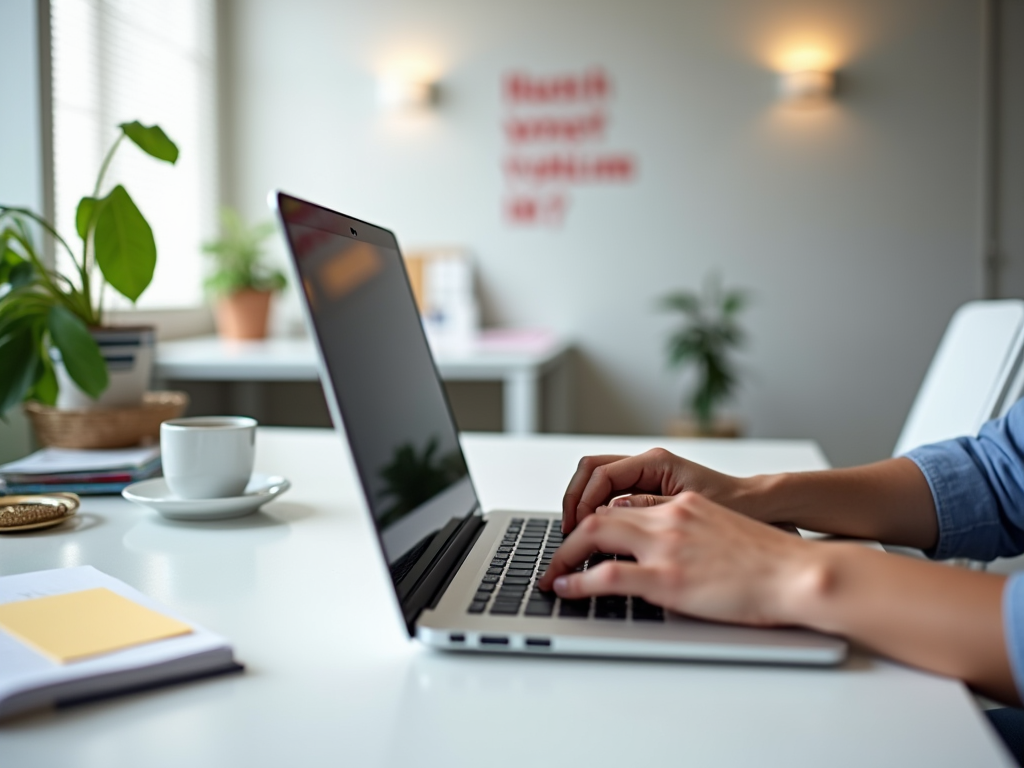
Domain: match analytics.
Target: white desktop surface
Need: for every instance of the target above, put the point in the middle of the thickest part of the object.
(332, 680)
(519, 359)
(294, 359)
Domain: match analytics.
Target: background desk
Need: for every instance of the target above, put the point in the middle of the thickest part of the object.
(333, 681)
(520, 361)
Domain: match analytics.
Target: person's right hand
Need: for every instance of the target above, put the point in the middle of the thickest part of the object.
(642, 481)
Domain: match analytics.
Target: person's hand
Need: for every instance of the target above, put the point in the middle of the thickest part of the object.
(693, 556)
(641, 481)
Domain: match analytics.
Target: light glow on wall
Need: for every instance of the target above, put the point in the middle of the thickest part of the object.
(806, 72)
(408, 80)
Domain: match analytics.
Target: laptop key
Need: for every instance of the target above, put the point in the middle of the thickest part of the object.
(579, 609)
(477, 606)
(486, 588)
(505, 609)
(485, 596)
(513, 579)
(538, 608)
(489, 579)
(644, 611)
(610, 608)
(513, 571)
(494, 571)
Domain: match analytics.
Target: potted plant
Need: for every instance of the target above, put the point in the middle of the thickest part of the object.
(241, 283)
(705, 340)
(51, 323)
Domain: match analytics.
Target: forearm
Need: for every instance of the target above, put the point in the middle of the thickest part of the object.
(888, 501)
(947, 620)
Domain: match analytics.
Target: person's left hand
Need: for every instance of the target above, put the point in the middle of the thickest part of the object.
(693, 556)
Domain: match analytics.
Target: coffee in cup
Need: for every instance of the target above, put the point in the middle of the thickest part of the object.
(208, 457)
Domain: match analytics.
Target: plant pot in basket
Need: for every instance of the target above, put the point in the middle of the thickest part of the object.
(54, 349)
(128, 353)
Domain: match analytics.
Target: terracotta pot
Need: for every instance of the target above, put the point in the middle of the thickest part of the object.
(243, 315)
(690, 428)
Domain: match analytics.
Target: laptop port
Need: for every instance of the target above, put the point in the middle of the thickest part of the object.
(493, 640)
(456, 637)
(538, 642)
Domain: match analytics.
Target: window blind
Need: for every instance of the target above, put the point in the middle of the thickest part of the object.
(120, 60)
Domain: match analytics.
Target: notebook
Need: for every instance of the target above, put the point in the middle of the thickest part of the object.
(75, 634)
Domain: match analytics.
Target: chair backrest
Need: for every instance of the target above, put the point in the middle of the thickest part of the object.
(975, 374)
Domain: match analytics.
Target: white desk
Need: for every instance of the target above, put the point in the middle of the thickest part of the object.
(517, 359)
(333, 681)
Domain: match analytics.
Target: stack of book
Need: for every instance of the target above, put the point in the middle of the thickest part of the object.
(79, 471)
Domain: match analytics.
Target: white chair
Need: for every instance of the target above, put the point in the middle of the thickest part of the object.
(976, 374)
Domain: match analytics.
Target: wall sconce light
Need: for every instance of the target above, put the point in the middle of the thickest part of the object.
(406, 94)
(806, 86)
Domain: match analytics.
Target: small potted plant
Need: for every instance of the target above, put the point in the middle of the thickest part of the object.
(241, 283)
(54, 348)
(705, 340)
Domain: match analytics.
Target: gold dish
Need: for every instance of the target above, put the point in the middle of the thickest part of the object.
(26, 513)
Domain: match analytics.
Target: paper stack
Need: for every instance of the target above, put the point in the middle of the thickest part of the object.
(79, 471)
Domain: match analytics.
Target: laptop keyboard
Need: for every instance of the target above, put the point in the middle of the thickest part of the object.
(523, 554)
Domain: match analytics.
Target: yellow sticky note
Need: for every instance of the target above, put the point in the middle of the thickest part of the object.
(76, 625)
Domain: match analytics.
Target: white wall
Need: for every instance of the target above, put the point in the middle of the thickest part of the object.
(21, 166)
(855, 225)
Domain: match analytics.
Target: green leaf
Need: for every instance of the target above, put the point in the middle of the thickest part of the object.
(687, 303)
(22, 274)
(124, 245)
(46, 387)
(83, 216)
(151, 140)
(18, 362)
(78, 350)
(734, 302)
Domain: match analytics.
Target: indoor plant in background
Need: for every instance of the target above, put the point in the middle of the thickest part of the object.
(54, 348)
(705, 340)
(241, 283)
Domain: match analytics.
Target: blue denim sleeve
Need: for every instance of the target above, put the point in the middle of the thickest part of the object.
(1013, 627)
(977, 484)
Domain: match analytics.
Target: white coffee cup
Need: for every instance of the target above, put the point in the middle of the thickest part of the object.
(208, 457)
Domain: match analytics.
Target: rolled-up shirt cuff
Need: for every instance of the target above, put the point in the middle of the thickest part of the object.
(968, 519)
(1013, 627)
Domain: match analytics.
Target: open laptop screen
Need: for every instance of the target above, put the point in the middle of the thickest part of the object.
(382, 381)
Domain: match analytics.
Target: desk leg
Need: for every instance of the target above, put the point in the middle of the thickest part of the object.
(247, 399)
(522, 403)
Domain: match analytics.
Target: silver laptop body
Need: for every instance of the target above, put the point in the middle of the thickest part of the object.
(463, 580)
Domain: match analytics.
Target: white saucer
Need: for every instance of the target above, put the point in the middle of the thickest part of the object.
(156, 495)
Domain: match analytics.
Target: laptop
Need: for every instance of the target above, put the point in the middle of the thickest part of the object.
(463, 580)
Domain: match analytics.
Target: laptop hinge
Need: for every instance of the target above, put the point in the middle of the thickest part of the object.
(442, 570)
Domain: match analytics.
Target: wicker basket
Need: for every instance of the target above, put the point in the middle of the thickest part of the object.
(106, 427)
